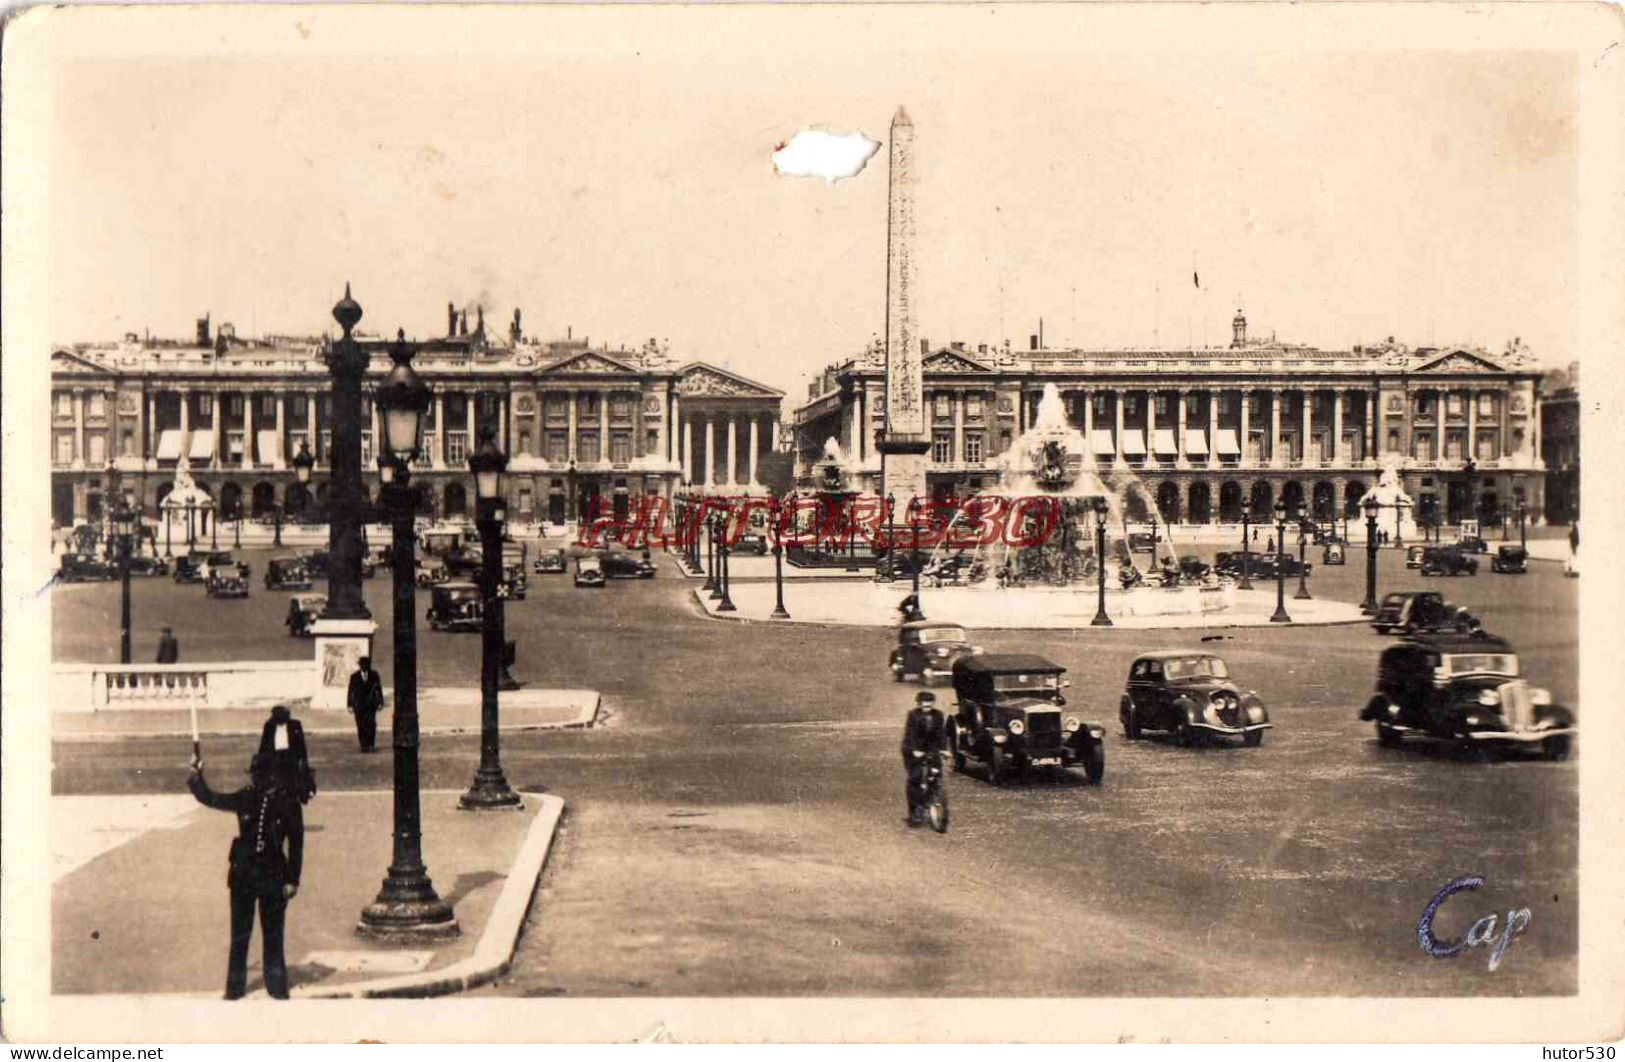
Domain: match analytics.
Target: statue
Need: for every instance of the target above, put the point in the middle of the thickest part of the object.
(183, 476)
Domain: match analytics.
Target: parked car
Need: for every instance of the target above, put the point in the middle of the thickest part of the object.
(1190, 694)
(1142, 542)
(514, 582)
(145, 564)
(1008, 715)
(85, 568)
(227, 580)
(1413, 611)
(286, 573)
(1510, 560)
(1472, 544)
(1447, 560)
(901, 562)
(621, 565)
(751, 542)
(550, 561)
(1413, 556)
(589, 572)
(456, 606)
(1334, 553)
(430, 571)
(463, 560)
(928, 650)
(318, 563)
(302, 612)
(1464, 688)
(1193, 567)
(189, 569)
(1264, 566)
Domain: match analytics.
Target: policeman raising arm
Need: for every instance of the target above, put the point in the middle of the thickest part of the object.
(923, 741)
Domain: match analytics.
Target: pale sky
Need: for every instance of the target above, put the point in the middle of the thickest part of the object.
(628, 191)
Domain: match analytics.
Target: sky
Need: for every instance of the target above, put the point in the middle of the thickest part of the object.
(613, 176)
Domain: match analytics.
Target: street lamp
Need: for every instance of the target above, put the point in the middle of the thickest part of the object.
(407, 907)
(237, 525)
(709, 519)
(1101, 619)
(1303, 569)
(191, 536)
(303, 463)
(726, 603)
(1523, 530)
(1369, 605)
(1246, 548)
(779, 611)
(1280, 615)
(490, 790)
(124, 522)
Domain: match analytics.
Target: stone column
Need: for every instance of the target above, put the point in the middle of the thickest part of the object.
(377, 438)
(1117, 440)
(570, 426)
(502, 425)
(214, 426)
(1373, 423)
(958, 400)
(1089, 423)
(1179, 430)
(1472, 426)
(280, 461)
(1307, 431)
(1212, 432)
(674, 445)
(186, 419)
(248, 428)
(149, 429)
(1275, 428)
(438, 456)
(733, 450)
(710, 450)
(1337, 424)
(468, 407)
(1246, 430)
(603, 427)
(311, 433)
(686, 457)
(79, 429)
(753, 467)
(1442, 423)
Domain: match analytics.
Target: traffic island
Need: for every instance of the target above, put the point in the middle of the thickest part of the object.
(120, 928)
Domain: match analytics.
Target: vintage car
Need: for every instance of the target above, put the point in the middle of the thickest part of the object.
(1142, 542)
(1464, 688)
(148, 565)
(463, 560)
(1009, 715)
(928, 650)
(318, 561)
(1264, 565)
(302, 612)
(1413, 556)
(618, 564)
(1412, 611)
(85, 568)
(1510, 560)
(456, 606)
(589, 572)
(1472, 544)
(1189, 694)
(227, 580)
(1193, 567)
(550, 561)
(514, 582)
(286, 573)
(900, 563)
(430, 571)
(1334, 553)
(751, 542)
(1447, 560)
(189, 569)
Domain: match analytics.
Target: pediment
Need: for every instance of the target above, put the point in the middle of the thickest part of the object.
(700, 379)
(952, 361)
(66, 362)
(589, 363)
(1454, 361)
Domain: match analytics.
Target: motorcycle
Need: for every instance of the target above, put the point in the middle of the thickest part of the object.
(931, 794)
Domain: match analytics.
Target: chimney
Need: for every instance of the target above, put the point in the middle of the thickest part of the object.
(568, 333)
(1033, 341)
(462, 323)
(203, 331)
(479, 328)
(925, 346)
(515, 331)
(981, 348)
(956, 345)
(451, 319)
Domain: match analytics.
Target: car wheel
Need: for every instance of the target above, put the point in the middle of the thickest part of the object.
(956, 755)
(1253, 738)
(1556, 748)
(1094, 762)
(1387, 736)
(1184, 734)
(1131, 725)
(997, 772)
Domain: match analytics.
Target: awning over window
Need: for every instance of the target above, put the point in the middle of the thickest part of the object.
(169, 444)
(1165, 441)
(1133, 442)
(202, 448)
(1104, 445)
(270, 446)
(1196, 442)
(1226, 444)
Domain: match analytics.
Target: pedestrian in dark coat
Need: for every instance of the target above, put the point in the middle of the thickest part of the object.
(365, 699)
(923, 738)
(266, 859)
(283, 739)
(169, 650)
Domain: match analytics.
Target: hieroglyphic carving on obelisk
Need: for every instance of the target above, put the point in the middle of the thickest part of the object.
(905, 441)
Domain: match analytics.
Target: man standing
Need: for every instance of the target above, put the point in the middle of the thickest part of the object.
(266, 859)
(169, 650)
(922, 739)
(365, 698)
(283, 739)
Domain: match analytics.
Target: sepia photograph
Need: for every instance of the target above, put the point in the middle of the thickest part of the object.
(846, 523)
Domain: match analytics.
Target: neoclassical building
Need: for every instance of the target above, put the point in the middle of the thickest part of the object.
(579, 423)
(1203, 429)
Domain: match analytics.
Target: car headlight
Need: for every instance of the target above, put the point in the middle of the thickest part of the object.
(1211, 713)
(1070, 723)
(1471, 720)
(1488, 698)
(1255, 713)
(1542, 697)
(1017, 727)
(942, 650)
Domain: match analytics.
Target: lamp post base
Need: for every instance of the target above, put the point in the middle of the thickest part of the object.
(490, 792)
(1302, 594)
(1280, 616)
(1367, 608)
(1101, 620)
(778, 613)
(407, 911)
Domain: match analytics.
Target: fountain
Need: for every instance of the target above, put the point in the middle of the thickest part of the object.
(1388, 494)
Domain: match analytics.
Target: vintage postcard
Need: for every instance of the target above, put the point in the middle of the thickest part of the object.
(1008, 522)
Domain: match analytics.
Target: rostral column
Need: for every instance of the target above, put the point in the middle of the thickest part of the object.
(904, 442)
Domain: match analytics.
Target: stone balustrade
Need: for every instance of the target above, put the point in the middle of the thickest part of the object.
(251, 684)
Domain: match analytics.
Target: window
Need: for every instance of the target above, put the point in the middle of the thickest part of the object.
(943, 404)
(557, 446)
(524, 443)
(98, 404)
(1164, 403)
(973, 405)
(620, 448)
(589, 405)
(557, 406)
(620, 405)
(63, 454)
(98, 450)
(297, 442)
(205, 405)
(127, 443)
(1486, 446)
(325, 454)
(1422, 446)
(1393, 441)
(234, 406)
(973, 447)
(1453, 404)
(587, 446)
(1004, 441)
(1103, 404)
(267, 407)
(942, 447)
(456, 447)
(234, 444)
(367, 457)
(526, 504)
(64, 404)
(1486, 404)
(1424, 405)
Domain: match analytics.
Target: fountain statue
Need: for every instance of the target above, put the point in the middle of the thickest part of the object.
(1390, 495)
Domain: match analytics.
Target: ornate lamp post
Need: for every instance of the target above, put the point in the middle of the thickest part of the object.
(125, 521)
(779, 611)
(346, 364)
(710, 584)
(214, 525)
(407, 908)
(1523, 529)
(726, 603)
(303, 464)
(490, 789)
(1303, 569)
(191, 534)
(914, 549)
(237, 526)
(1101, 619)
(1280, 615)
(1246, 547)
(169, 526)
(1369, 605)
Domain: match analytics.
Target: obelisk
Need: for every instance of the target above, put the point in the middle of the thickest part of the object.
(904, 442)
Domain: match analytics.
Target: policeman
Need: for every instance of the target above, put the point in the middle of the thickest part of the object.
(266, 858)
(922, 740)
(284, 738)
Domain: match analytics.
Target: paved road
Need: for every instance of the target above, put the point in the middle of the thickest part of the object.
(736, 826)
